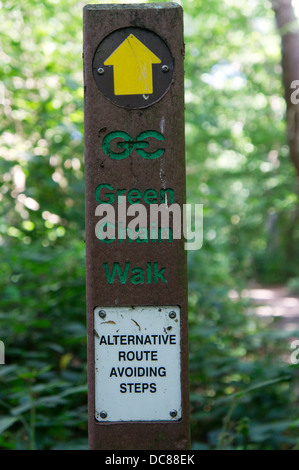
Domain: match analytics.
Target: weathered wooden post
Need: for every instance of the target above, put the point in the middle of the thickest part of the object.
(136, 285)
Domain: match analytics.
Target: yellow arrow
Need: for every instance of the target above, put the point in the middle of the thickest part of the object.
(132, 70)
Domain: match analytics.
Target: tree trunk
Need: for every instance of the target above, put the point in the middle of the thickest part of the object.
(289, 31)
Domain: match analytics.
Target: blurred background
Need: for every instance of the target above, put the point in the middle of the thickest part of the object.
(241, 165)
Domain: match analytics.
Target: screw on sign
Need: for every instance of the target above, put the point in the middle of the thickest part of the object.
(136, 291)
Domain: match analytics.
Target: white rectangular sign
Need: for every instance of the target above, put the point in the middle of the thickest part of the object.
(137, 363)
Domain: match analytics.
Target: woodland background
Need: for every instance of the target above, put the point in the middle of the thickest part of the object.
(240, 151)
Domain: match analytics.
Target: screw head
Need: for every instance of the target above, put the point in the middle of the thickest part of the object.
(101, 71)
(102, 313)
(172, 314)
(173, 413)
(165, 68)
(103, 414)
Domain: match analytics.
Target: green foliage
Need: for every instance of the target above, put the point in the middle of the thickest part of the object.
(43, 393)
(242, 393)
(242, 389)
(43, 384)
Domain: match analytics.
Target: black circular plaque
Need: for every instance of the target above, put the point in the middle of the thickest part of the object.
(133, 67)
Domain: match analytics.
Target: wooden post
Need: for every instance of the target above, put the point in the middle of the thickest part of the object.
(136, 287)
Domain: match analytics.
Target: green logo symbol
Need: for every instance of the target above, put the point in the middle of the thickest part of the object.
(126, 145)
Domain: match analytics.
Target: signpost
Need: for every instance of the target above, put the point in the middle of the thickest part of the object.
(135, 269)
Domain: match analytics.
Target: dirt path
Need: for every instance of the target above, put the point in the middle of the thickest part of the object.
(275, 303)
(272, 302)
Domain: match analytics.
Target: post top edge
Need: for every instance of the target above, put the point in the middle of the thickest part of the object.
(132, 6)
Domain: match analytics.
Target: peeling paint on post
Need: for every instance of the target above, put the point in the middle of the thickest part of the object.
(136, 288)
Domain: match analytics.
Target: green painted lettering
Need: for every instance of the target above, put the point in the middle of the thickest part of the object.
(150, 196)
(137, 276)
(142, 235)
(117, 269)
(159, 274)
(109, 196)
(106, 194)
(171, 195)
(134, 196)
(152, 273)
